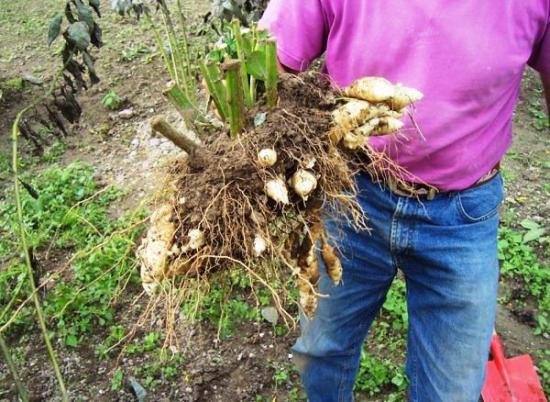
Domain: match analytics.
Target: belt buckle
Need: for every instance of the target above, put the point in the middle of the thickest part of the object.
(412, 192)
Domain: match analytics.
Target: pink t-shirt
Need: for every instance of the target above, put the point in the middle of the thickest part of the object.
(466, 56)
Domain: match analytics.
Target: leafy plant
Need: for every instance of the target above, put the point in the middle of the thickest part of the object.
(111, 100)
(116, 335)
(245, 58)
(116, 382)
(133, 52)
(543, 367)
(381, 370)
(535, 108)
(519, 261)
(376, 375)
(70, 212)
(81, 32)
(158, 364)
(534, 230)
(247, 11)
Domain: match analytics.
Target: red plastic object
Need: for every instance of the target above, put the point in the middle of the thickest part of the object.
(511, 380)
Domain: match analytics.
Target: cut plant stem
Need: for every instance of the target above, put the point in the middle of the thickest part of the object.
(212, 76)
(271, 67)
(183, 141)
(235, 96)
(236, 28)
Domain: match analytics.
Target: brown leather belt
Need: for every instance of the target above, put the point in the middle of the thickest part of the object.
(416, 190)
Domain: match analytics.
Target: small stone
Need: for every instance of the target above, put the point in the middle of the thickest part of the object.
(32, 79)
(126, 113)
(154, 142)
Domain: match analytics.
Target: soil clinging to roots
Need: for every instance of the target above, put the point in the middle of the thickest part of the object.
(221, 214)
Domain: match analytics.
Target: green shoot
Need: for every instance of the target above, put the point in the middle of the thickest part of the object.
(236, 30)
(271, 67)
(235, 96)
(212, 76)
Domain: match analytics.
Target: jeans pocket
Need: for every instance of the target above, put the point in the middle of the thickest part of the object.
(481, 202)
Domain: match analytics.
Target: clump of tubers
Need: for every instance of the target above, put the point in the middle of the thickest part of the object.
(261, 198)
(375, 108)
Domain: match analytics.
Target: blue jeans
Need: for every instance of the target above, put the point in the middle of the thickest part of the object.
(447, 250)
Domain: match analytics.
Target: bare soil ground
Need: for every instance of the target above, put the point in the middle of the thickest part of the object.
(126, 153)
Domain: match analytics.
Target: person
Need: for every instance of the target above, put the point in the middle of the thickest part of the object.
(467, 57)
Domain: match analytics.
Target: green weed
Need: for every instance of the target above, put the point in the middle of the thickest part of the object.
(111, 100)
(227, 303)
(381, 370)
(67, 212)
(543, 368)
(377, 375)
(12, 85)
(149, 343)
(116, 382)
(520, 263)
(134, 51)
(160, 364)
(117, 333)
(537, 110)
